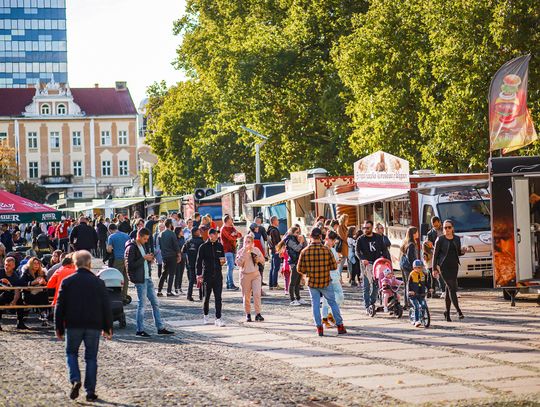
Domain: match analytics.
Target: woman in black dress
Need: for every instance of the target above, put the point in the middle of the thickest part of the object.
(446, 261)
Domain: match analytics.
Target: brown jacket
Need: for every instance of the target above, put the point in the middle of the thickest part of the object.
(342, 232)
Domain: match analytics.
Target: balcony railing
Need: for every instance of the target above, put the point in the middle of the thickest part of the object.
(56, 179)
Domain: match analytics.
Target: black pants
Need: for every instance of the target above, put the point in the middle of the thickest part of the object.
(294, 285)
(451, 294)
(179, 275)
(405, 275)
(6, 298)
(159, 269)
(215, 285)
(102, 248)
(355, 271)
(63, 244)
(192, 277)
(169, 271)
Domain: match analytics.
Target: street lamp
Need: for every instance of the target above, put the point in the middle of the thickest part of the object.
(257, 152)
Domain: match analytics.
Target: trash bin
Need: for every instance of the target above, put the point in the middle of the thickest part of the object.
(114, 280)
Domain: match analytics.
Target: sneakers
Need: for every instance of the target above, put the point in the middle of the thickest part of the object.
(190, 299)
(278, 287)
(259, 318)
(205, 320)
(320, 330)
(385, 309)
(418, 324)
(91, 397)
(248, 318)
(302, 301)
(74, 393)
(341, 330)
(219, 322)
(142, 334)
(160, 294)
(171, 295)
(295, 303)
(164, 331)
(233, 288)
(443, 295)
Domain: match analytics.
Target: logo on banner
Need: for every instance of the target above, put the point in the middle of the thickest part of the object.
(7, 207)
(9, 218)
(30, 204)
(382, 169)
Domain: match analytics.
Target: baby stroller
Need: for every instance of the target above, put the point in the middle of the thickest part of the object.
(114, 280)
(394, 306)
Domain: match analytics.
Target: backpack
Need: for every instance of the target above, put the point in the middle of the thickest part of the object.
(404, 263)
(339, 244)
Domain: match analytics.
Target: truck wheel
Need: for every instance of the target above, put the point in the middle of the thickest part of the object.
(122, 321)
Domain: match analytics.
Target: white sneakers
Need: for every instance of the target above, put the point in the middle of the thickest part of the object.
(302, 301)
(385, 309)
(219, 322)
(295, 303)
(418, 324)
(205, 320)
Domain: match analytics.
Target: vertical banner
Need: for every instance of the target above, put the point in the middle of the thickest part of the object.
(510, 124)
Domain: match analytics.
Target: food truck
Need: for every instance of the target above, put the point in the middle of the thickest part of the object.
(515, 224)
(385, 192)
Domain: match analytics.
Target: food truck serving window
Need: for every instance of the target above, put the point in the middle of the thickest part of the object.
(468, 216)
(400, 213)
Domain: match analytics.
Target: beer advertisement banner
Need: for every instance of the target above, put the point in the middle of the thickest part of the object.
(510, 123)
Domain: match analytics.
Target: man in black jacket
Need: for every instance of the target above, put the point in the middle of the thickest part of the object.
(138, 269)
(123, 224)
(83, 311)
(274, 237)
(435, 231)
(190, 250)
(170, 251)
(83, 236)
(210, 260)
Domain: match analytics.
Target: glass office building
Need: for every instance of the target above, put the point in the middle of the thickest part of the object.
(32, 42)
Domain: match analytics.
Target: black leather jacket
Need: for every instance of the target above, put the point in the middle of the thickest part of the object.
(442, 244)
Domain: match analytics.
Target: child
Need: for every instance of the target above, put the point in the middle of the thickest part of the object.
(417, 290)
(335, 275)
(389, 285)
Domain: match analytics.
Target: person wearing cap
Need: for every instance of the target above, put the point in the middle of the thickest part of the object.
(210, 260)
(416, 287)
(190, 251)
(315, 263)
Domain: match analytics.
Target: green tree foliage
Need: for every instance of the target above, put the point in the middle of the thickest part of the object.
(31, 191)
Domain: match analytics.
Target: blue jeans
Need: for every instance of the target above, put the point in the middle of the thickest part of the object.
(144, 291)
(229, 257)
(90, 337)
(418, 304)
(275, 265)
(370, 292)
(329, 294)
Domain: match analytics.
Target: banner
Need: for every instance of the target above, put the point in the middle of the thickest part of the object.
(381, 169)
(510, 124)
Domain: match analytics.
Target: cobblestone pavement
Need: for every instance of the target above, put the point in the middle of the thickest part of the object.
(490, 358)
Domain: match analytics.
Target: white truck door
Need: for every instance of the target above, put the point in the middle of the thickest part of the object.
(522, 229)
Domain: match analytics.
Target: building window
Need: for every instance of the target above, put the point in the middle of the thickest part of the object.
(122, 138)
(3, 138)
(54, 138)
(106, 168)
(32, 140)
(55, 168)
(77, 168)
(77, 194)
(45, 109)
(33, 171)
(123, 168)
(76, 138)
(61, 109)
(106, 138)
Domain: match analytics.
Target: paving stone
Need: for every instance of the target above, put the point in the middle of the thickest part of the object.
(518, 357)
(436, 393)
(257, 337)
(446, 363)
(487, 372)
(268, 345)
(394, 381)
(297, 352)
(376, 346)
(450, 340)
(357, 370)
(326, 361)
(519, 386)
(421, 352)
(492, 347)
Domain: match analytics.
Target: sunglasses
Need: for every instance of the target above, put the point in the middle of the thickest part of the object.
(448, 227)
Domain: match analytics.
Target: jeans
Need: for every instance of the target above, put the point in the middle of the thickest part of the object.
(370, 292)
(215, 285)
(146, 290)
(418, 304)
(275, 265)
(169, 271)
(329, 294)
(229, 257)
(90, 337)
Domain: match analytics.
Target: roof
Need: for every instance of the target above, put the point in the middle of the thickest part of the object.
(364, 196)
(92, 101)
(280, 198)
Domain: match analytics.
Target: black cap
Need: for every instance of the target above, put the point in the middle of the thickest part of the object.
(194, 229)
(212, 231)
(316, 232)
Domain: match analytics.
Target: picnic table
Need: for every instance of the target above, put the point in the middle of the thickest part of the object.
(11, 288)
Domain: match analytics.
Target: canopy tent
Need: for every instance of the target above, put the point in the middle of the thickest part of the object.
(280, 198)
(364, 196)
(223, 192)
(103, 204)
(15, 209)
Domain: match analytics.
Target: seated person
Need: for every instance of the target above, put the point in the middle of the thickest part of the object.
(33, 275)
(55, 258)
(18, 240)
(52, 269)
(10, 278)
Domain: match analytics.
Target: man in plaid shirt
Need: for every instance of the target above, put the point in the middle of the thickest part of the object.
(315, 263)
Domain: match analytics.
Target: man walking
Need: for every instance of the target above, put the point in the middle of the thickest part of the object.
(62, 234)
(116, 245)
(229, 236)
(210, 259)
(138, 268)
(83, 311)
(274, 237)
(369, 247)
(170, 252)
(315, 263)
(83, 236)
(190, 250)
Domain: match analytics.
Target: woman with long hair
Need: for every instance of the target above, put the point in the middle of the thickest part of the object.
(294, 244)
(409, 249)
(33, 275)
(353, 263)
(248, 259)
(446, 262)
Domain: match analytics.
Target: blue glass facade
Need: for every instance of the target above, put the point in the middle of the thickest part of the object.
(32, 42)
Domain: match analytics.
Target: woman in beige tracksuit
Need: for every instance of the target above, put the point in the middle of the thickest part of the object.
(247, 259)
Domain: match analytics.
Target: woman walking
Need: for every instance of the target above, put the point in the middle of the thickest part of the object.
(353, 263)
(294, 244)
(248, 259)
(409, 253)
(446, 262)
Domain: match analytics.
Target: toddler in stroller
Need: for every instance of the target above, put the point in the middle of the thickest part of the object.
(389, 290)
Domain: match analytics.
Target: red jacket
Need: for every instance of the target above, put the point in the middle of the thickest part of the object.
(228, 240)
(58, 276)
(62, 230)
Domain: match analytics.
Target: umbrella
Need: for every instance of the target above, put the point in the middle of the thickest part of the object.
(16, 209)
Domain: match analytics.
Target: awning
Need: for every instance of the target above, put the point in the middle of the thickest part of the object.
(16, 209)
(436, 188)
(280, 198)
(221, 193)
(364, 196)
(122, 203)
(164, 200)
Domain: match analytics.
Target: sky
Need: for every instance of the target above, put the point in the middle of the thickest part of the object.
(122, 40)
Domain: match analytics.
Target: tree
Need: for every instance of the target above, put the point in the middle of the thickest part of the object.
(31, 191)
(8, 166)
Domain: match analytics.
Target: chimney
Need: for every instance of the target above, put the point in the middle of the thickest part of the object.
(96, 85)
(121, 85)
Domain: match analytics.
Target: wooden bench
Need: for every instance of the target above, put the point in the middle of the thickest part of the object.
(9, 288)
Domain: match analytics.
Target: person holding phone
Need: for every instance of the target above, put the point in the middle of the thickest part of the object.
(138, 269)
(248, 259)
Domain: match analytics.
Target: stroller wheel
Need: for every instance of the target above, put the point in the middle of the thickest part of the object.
(398, 311)
(122, 321)
(411, 314)
(127, 300)
(372, 310)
